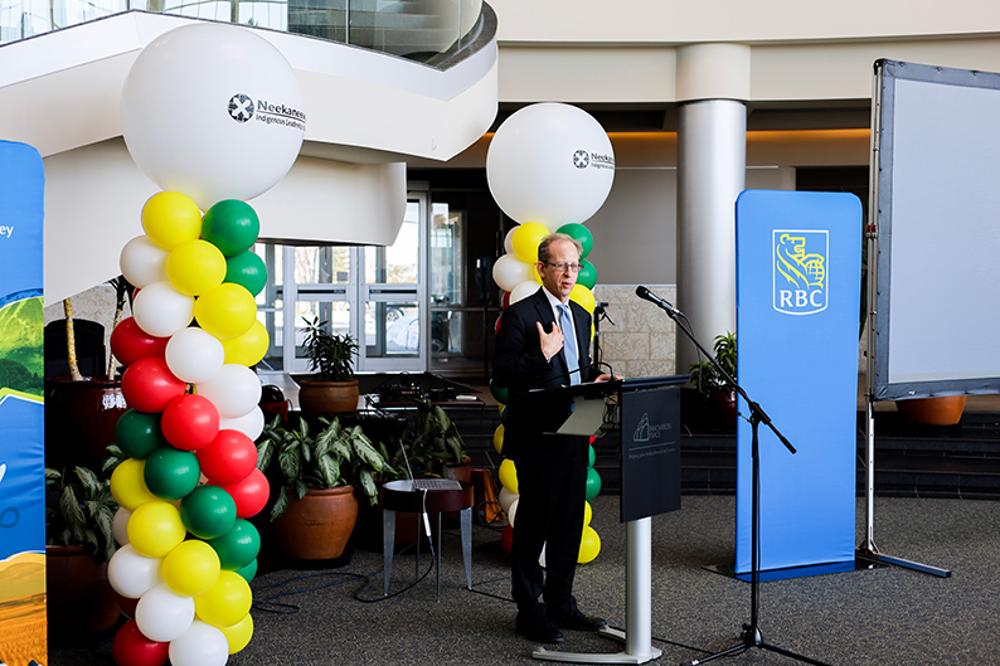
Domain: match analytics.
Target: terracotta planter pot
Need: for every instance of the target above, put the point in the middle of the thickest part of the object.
(317, 526)
(318, 398)
(80, 599)
(80, 420)
(723, 405)
(944, 411)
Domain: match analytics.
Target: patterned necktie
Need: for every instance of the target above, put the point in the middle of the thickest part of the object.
(569, 343)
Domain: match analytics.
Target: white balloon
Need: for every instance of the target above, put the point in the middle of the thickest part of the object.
(512, 511)
(550, 163)
(509, 271)
(201, 645)
(506, 497)
(160, 310)
(213, 111)
(131, 574)
(194, 355)
(234, 390)
(250, 424)
(541, 558)
(142, 262)
(523, 291)
(119, 526)
(164, 615)
(508, 241)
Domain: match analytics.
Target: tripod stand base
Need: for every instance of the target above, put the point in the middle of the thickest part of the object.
(598, 658)
(881, 558)
(752, 638)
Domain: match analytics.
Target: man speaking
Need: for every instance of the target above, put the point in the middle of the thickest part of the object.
(543, 343)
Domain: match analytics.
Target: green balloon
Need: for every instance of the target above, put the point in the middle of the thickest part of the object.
(208, 512)
(249, 571)
(239, 546)
(231, 225)
(501, 394)
(593, 484)
(171, 473)
(581, 234)
(248, 270)
(138, 434)
(592, 458)
(588, 274)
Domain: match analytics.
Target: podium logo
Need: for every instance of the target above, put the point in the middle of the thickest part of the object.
(799, 272)
(646, 431)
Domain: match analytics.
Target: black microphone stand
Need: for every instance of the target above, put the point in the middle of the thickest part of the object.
(751, 636)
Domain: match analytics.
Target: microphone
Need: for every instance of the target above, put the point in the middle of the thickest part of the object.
(645, 294)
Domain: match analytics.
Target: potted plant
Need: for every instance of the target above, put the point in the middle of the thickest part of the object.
(79, 515)
(315, 509)
(937, 411)
(434, 447)
(332, 389)
(719, 396)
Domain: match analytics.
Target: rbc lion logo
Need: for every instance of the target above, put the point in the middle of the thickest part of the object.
(800, 277)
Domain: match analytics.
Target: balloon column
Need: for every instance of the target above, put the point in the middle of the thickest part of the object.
(212, 114)
(550, 167)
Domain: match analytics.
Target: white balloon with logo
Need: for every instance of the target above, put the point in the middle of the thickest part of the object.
(550, 163)
(213, 111)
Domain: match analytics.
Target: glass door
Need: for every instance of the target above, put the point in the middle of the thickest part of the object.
(391, 297)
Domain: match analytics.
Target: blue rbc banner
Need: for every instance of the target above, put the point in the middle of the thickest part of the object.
(798, 290)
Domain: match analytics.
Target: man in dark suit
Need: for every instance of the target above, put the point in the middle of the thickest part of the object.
(543, 343)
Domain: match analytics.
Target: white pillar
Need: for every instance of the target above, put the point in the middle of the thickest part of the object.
(712, 80)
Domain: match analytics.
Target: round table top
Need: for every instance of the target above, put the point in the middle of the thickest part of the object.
(400, 495)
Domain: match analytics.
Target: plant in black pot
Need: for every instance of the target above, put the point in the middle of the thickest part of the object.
(318, 476)
(79, 515)
(718, 396)
(332, 388)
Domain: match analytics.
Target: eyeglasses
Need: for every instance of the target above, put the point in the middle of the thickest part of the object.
(563, 266)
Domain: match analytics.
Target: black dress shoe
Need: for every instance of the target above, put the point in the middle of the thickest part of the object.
(536, 627)
(574, 619)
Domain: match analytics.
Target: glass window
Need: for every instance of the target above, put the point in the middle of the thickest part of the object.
(447, 267)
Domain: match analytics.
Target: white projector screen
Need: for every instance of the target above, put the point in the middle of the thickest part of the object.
(938, 303)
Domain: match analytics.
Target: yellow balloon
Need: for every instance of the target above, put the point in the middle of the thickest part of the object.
(498, 440)
(170, 218)
(128, 486)
(238, 635)
(588, 514)
(249, 348)
(226, 602)
(583, 297)
(155, 528)
(535, 274)
(590, 545)
(501, 407)
(191, 568)
(525, 240)
(227, 311)
(508, 475)
(195, 266)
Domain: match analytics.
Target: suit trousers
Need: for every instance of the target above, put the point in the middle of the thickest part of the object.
(550, 510)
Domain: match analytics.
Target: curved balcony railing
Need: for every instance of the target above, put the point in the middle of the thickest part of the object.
(429, 31)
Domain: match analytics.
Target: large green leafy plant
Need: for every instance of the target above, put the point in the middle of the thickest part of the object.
(705, 377)
(334, 456)
(331, 355)
(432, 443)
(82, 513)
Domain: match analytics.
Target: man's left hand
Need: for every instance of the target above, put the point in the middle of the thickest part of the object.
(605, 377)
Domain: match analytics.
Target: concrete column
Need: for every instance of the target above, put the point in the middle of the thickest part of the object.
(712, 81)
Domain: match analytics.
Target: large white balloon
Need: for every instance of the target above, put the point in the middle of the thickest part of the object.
(131, 574)
(201, 645)
(194, 355)
(250, 424)
(119, 526)
(234, 390)
(509, 271)
(160, 310)
(164, 615)
(213, 111)
(142, 262)
(550, 163)
(523, 291)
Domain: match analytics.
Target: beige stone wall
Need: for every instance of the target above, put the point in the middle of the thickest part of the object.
(96, 304)
(642, 343)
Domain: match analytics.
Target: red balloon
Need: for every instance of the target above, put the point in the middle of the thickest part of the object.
(231, 457)
(496, 326)
(129, 343)
(507, 539)
(148, 385)
(250, 494)
(505, 301)
(190, 422)
(127, 605)
(131, 648)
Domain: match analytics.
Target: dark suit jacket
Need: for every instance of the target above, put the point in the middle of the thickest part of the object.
(519, 366)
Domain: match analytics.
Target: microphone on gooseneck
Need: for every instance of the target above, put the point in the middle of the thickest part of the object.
(645, 294)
